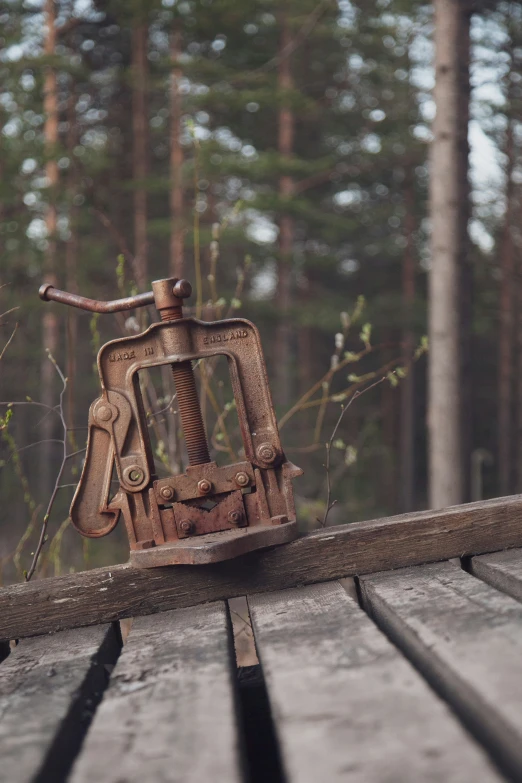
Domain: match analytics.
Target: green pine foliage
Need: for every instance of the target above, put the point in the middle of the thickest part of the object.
(361, 106)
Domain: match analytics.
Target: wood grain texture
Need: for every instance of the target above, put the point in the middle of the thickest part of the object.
(502, 570)
(49, 687)
(466, 637)
(107, 594)
(169, 712)
(346, 704)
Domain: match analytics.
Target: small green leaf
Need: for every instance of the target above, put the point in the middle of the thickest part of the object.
(350, 455)
(359, 307)
(422, 348)
(365, 335)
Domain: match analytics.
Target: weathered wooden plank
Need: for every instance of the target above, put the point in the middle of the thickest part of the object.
(503, 570)
(102, 595)
(49, 687)
(168, 713)
(347, 705)
(466, 637)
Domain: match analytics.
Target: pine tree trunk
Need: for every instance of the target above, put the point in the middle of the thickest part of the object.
(283, 351)
(466, 281)
(140, 155)
(448, 219)
(506, 330)
(176, 162)
(407, 429)
(518, 476)
(50, 326)
(388, 489)
(71, 254)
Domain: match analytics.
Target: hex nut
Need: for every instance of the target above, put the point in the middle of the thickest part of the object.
(204, 486)
(186, 526)
(234, 517)
(266, 452)
(242, 479)
(167, 493)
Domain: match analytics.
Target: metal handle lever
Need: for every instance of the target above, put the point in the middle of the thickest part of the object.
(48, 292)
(179, 288)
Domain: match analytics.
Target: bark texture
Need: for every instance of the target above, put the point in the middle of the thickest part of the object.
(50, 326)
(466, 277)
(286, 129)
(506, 328)
(177, 265)
(140, 155)
(407, 428)
(448, 226)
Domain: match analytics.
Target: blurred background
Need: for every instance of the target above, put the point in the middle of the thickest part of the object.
(347, 174)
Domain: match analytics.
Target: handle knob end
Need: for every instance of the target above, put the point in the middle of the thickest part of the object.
(182, 289)
(43, 291)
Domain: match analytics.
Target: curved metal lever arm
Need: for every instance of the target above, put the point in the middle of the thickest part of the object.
(48, 292)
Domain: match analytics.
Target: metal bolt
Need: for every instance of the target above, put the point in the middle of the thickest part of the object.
(133, 474)
(242, 479)
(204, 486)
(266, 452)
(103, 413)
(167, 493)
(187, 526)
(234, 517)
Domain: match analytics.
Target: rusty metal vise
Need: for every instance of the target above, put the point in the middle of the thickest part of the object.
(170, 520)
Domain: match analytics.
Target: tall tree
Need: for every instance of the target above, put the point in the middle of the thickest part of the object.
(407, 418)
(140, 152)
(176, 159)
(506, 330)
(286, 127)
(71, 259)
(448, 213)
(466, 272)
(50, 326)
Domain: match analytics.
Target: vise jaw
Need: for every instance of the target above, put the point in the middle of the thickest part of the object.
(208, 513)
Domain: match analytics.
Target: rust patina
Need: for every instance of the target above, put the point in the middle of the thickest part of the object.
(170, 520)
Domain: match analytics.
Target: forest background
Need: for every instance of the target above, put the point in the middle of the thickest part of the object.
(288, 159)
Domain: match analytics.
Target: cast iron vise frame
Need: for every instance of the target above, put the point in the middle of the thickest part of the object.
(170, 520)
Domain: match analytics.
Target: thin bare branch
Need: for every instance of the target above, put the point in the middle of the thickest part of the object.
(45, 522)
(8, 343)
(329, 445)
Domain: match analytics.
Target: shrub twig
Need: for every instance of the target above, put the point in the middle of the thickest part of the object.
(329, 445)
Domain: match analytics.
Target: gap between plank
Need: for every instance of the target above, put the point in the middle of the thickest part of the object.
(262, 753)
(413, 650)
(68, 741)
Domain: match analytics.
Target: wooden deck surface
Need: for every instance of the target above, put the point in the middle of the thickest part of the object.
(396, 676)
